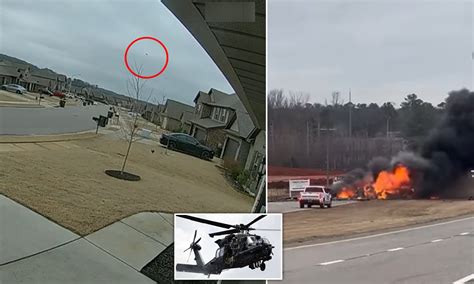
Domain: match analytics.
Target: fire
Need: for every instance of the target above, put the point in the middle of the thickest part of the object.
(388, 183)
(391, 183)
(346, 193)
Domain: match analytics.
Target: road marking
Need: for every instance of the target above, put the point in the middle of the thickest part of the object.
(394, 249)
(332, 262)
(378, 235)
(435, 241)
(463, 234)
(464, 280)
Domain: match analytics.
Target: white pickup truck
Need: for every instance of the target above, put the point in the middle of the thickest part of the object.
(315, 195)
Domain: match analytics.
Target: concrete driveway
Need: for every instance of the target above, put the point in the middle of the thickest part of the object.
(36, 250)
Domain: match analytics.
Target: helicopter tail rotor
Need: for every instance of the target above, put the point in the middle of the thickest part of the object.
(194, 245)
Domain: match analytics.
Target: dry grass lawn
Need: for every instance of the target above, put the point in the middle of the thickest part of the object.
(368, 216)
(12, 97)
(69, 186)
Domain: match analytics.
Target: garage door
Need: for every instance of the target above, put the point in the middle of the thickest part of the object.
(230, 149)
(200, 135)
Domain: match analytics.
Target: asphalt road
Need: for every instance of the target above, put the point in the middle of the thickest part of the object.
(44, 121)
(293, 206)
(437, 253)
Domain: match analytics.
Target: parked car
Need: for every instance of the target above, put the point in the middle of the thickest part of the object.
(188, 144)
(59, 94)
(46, 91)
(315, 195)
(13, 88)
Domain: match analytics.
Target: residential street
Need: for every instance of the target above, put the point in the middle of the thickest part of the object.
(437, 253)
(45, 121)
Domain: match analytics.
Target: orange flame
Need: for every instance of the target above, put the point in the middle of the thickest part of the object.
(391, 183)
(346, 193)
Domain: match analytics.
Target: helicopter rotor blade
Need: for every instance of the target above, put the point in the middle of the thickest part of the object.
(209, 222)
(226, 232)
(255, 220)
(189, 254)
(267, 229)
(195, 233)
(187, 249)
(197, 241)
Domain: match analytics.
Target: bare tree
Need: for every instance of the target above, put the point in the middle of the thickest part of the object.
(335, 98)
(130, 127)
(298, 99)
(276, 99)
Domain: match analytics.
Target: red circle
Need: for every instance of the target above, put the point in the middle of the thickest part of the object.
(151, 76)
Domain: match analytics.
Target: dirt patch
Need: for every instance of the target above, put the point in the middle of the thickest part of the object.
(368, 216)
(69, 186)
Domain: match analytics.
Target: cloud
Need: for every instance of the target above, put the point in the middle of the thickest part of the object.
(373, 47)
(90, 37)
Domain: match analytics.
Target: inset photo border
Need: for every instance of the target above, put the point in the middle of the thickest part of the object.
(228, 246)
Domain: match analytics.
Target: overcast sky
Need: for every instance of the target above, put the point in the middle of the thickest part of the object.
(90, 37)
(184, 233)
(382, 50)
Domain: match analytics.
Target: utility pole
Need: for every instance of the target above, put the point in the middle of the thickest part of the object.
(307, 138)
(350, 114)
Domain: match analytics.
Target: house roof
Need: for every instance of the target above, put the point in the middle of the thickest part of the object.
(9, 69)
(218, 98)
(199, 94)
(207, 123)
(49, 74)
(242, 124)
(187, 116)
(174, 109)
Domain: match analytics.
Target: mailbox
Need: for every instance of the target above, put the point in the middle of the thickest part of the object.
(103, 120)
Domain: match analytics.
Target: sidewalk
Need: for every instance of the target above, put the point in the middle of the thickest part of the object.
(36, 250)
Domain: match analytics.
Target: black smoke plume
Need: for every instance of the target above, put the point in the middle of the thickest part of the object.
(449, 148)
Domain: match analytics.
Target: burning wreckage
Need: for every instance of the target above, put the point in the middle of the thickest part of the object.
(435, 171)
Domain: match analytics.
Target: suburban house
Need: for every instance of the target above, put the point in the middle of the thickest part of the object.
(32, 80)
(213, 111)
(45, 78)
(13, 73)
(152, 113)
(245, 145)
(171, 114)
(186, 121)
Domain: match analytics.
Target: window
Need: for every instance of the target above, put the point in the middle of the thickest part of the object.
(313, 189)
(190, 139)
(219, 114)
(223, 115)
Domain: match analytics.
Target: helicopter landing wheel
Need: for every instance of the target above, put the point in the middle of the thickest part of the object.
(262, 266)
(252, 266)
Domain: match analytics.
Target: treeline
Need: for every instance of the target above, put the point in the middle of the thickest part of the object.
(299, 131)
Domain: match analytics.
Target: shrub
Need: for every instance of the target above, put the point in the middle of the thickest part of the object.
(233, 168)
(243, 177)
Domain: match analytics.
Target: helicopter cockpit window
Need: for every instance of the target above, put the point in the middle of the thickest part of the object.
(265, 241)
(220, 252)
(251, 240)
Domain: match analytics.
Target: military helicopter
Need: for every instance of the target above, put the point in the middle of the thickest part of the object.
(237, 249)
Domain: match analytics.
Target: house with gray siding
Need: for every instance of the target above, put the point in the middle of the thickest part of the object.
(171, 115)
